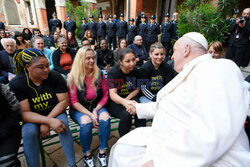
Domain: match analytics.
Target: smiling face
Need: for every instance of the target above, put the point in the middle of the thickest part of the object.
(38, 68)
(128, 62)
(123, 44)
(20, 38)
(39, 44)
(214, 54)
(157, 56)
(63, 44)
(70, 35)
(104, 45)
(89, 60)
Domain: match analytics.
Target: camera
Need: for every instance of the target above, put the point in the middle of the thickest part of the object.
(236, 11)
(242, 20)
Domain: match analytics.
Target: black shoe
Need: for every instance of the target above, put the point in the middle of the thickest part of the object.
(89, 161)
(102, 159)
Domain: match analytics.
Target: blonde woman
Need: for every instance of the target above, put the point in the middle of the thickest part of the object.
(88, 95)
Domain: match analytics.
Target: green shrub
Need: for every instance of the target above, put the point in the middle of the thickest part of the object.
(76, 13)
(203, 17)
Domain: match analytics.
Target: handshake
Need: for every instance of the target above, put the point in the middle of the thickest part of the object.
(130, 106)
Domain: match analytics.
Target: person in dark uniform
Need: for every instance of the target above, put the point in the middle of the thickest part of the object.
(167, 32)
(92, 26)
(238, 41)
(122, 28)
(143, 29)
(53, 23)
(69, 25)
(84, 26)
(101, 29)
(111, 33)
(153, 30)
(132, 31)
(138, 20)
(175, 24)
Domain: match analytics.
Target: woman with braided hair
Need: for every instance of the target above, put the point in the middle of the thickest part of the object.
(43, 98)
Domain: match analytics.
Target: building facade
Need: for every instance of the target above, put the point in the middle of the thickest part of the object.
(19, 14)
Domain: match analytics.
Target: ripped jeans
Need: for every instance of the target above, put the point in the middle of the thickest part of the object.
(86, 130)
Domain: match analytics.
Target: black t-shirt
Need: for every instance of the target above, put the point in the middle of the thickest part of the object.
(42, 98)
(124, 83)
(156, 79)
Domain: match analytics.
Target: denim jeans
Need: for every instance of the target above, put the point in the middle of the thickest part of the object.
(86, 130)
(30, 133)
(144, 99)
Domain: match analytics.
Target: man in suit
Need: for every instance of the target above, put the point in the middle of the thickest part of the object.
(167, 32)
(54, 22)
(153, 30)
(121, 27)
(195, 122)
(92, 26)
(7, 67)
(69, 25)
(111, 32)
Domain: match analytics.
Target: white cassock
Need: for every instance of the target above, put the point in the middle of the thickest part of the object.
(198, 121)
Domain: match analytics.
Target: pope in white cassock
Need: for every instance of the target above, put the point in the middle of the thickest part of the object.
(198, 117)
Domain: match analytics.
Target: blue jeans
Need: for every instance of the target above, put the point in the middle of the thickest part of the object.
(144, 99)
(30, 133)
(86, 130)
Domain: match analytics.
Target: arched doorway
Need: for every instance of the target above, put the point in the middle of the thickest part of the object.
(51, 8)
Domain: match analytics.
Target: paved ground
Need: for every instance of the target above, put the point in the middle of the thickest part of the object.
(55, 155)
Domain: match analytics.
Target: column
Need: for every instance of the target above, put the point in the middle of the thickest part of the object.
(135, 7)
(41, 14)
(61, 11)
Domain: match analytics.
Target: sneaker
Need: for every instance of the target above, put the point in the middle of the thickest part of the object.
(102, 159)
(89, 161)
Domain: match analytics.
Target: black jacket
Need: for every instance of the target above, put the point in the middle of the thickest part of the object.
(6, 66)
(104, 58)
(56, 59)
(9, 113)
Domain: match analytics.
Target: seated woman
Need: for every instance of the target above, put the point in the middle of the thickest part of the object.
(88, 95)
(216, 49)
(43, 99)
(27, 34)
(10, 129)
(156, 73)
(63, 57)
(123, 91)
(104, 56)
(122, 43)
(72, 43)
(21, 43)
(89, 35)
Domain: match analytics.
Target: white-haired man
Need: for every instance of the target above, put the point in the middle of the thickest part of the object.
(7, 67)
(198, 117)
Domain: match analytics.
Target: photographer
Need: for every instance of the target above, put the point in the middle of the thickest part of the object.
(239, 40)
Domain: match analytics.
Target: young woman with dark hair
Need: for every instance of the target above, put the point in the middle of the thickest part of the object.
(123, 91)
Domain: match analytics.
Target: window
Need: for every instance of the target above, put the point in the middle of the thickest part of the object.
(11, 12)
(29, 12)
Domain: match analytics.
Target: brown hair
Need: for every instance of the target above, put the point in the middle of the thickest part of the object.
(217, 45)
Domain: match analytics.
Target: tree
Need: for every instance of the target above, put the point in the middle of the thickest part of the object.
(204, 17)
(76, 13)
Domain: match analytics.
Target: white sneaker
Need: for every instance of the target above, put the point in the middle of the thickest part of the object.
(89, 161)
(102, 159)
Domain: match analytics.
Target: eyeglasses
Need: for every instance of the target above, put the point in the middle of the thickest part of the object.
(139, 39)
